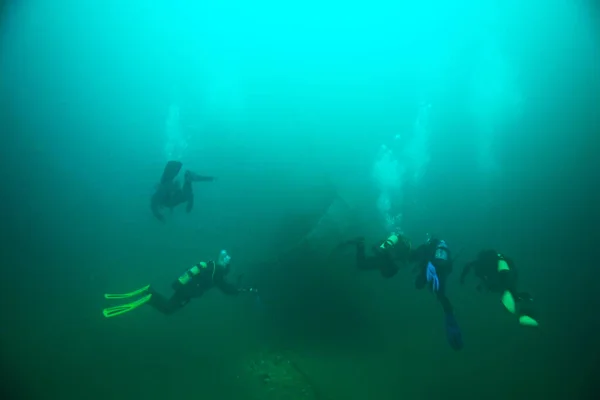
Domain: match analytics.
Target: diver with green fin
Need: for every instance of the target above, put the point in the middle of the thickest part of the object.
(498, 274)
(169, 193)
(385, 258)
(192, 284)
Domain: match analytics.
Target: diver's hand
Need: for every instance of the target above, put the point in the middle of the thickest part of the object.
(240, 278)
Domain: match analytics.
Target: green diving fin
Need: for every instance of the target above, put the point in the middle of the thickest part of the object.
(170, 172)
(127, 295)
(122, 309)
(508, 301)
(526, 320)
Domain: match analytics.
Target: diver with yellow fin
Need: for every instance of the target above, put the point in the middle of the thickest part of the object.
(498, 274)
(386, 258)
(191, 284)
(169, 193)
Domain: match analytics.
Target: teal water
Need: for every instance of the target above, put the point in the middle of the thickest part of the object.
(473, 120)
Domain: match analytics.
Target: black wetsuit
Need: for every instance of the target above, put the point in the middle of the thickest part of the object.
(422, 256)
(169, 193)
(387, 261)
(485, 267)
(210, 275)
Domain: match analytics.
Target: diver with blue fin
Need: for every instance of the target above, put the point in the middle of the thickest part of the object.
(193, 283)
(434, 264)
(385, 258)
(169, 193)
(498, 274)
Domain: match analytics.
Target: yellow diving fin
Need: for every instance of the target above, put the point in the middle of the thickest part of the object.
(528, 321)
(122, 309)
(127, 295)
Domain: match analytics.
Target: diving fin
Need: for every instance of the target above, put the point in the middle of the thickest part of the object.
(170, 172)
(508, 301)
(352, 242)
(124, 308)
(127, 295)
(526, 320)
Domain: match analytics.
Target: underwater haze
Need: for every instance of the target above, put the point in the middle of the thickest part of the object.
(473, 120)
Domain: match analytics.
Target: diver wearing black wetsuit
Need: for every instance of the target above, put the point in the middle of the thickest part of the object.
(190, 285)
(169, 193)
(498, 274)
(385, 258)
(434, 265)
(437, 253)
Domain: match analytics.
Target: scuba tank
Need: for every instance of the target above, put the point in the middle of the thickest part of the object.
(192, 272)
(441, 251)
(390, 242)
(502, 264)
(223, 261)
(394, 240)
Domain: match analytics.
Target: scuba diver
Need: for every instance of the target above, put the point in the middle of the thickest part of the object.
(191, 284)
(385, 258)
(498, 274)
(434, 265)
(169, 193)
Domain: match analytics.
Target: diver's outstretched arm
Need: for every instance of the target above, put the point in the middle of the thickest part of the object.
(188, 194)
(466, 271)
(226, 287)
(201, 178)
(417, 255)
(194, 177)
